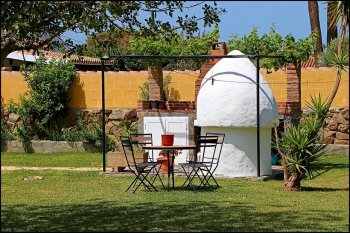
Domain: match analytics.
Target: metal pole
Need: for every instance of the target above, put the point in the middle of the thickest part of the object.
(103, 116)
(258, 114)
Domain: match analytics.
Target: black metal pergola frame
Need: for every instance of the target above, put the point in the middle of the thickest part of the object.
(202, 57)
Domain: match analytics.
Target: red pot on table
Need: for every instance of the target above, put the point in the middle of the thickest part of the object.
(167, 139)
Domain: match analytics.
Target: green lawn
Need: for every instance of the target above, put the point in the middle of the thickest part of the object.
(52, 160)
(87, 201)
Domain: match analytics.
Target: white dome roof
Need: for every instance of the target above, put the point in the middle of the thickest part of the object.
(231, 100)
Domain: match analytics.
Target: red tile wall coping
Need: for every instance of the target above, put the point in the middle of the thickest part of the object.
(168, 106)
(284, 108)
(165, 110)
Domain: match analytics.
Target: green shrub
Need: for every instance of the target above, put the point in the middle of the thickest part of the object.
(88, 131)
(6, 134)
(144, 89)
(329, 54)
(44, 105)
(166, 88)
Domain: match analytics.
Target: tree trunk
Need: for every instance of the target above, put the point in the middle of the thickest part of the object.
(294, 182)
(6, 49)
(284, 158)
(155, 74)
(332, 32)
(339, 74)
(315, 25)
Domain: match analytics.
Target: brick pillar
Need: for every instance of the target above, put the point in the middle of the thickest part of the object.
(155, 74)
(293, 104)
(293, 87)
(218, 48)
(293, 83)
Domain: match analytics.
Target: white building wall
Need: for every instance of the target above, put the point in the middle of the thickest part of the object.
(239, 152)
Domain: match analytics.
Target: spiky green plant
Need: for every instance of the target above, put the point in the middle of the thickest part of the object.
(317, 106)
(299, 148)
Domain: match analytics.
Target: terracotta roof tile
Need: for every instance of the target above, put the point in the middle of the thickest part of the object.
(77, 59)
(309, 63)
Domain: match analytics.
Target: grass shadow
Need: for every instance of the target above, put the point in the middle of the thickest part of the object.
(322, 189)
(322, 168)
(152, 216)
(318, 168)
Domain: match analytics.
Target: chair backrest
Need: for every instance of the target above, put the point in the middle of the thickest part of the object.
(139, 140)
(221, 139)
(127, 147)
(207, 145)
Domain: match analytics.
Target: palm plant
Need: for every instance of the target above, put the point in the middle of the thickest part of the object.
(317, 106)
(315, 25)
(339, 11)
(299, 148)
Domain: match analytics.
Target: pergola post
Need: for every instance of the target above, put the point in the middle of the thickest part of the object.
(103, 113)
(258, 113)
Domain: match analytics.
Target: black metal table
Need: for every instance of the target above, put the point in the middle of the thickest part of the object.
(168, 149)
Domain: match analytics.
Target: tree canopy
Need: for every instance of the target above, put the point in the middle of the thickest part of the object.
(35, 24)
(124, 42)
(273, 43)
(176, 44)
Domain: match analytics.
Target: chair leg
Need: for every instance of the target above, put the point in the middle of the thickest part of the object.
(144, 178)
(205, 181)
(151, 184)
(188, 175)
(192, 178)
(135, 182)
(141, 182)
(210, 174)
(157, 175)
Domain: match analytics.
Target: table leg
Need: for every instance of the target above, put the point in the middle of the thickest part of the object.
(168, 154)
(172, 167)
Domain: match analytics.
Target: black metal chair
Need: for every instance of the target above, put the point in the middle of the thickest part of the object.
(138, 140)
(140, 170)
(142, 139)
(215, 161)
(201, 167)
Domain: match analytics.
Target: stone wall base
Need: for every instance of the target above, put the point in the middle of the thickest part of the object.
(47, 146)
(333, 149)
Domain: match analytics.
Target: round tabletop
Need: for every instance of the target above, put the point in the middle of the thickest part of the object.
(173, 147)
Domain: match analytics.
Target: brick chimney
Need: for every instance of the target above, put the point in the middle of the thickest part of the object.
(217, 48)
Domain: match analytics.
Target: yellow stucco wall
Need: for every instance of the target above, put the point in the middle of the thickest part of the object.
(322, 81)
(122, 88)
(277, 83)
(313, 81)
(12, 86)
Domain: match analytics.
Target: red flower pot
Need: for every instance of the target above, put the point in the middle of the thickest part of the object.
(167, 139)
(164, 168)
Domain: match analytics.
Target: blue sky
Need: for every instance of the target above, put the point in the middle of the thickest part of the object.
(287, 16)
